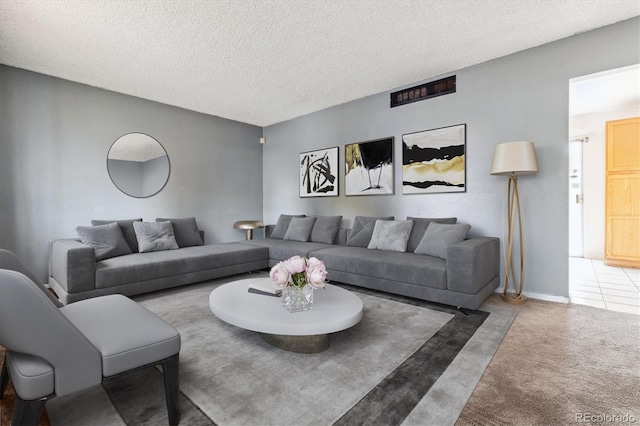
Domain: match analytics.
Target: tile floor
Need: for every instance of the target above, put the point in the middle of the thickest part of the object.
(593, 283)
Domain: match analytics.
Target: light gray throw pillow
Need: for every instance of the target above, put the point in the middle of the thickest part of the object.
(282, 225)
(300, 229)
(107, 240)
(391, 235)
(325, 229)
(438, 237)
(420, 225)
(155, 236)
(185, 230)
(362, 230)
(126, 226)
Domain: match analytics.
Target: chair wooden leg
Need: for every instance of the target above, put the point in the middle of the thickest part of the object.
(4, 377)
(172, 389)
(27, 412)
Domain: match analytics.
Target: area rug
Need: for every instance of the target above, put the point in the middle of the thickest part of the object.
(407, 362)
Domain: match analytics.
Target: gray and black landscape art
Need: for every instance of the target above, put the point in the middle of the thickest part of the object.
(434, 161)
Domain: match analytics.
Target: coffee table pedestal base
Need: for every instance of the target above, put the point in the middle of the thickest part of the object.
(299, 344)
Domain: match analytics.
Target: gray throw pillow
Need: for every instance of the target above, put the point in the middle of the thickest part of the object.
(391, 235)
(325, 229)
(185, 230)
(282, 225)
(126, 226)
(439, 237)
(107, 240)
(362, 230)
(155, 236)
(420, 226)
(300, 229)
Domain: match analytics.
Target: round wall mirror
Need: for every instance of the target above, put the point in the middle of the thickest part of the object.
(138, 165)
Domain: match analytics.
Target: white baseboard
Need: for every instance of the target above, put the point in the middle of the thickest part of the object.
(540, 296)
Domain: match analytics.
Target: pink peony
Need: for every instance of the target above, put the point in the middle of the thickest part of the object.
(295, 264)
(279, 275)
(314, 262)
(316, 276)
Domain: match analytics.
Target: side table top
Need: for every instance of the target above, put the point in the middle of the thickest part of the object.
(334, 309)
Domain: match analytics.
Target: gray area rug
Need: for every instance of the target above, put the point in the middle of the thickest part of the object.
(407, 362)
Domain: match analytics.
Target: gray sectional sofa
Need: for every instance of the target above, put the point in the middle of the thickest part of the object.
(80, 268)
(465, 278)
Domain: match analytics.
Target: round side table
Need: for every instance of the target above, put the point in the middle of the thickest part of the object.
(248, 226)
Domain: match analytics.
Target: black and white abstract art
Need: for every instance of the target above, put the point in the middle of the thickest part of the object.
(434, 160)
(369, 167)
(319, 173)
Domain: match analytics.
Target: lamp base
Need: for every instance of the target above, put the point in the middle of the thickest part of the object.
(513, 299)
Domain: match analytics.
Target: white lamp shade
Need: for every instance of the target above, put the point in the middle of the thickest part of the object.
(514, 158)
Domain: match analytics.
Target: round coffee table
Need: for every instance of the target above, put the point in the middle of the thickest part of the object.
(334, 309)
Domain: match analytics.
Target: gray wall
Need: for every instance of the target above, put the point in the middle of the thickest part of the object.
(54, 139)
(523, 96)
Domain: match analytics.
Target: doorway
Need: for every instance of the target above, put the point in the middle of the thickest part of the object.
(593, 100)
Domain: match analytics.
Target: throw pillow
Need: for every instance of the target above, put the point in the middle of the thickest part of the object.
(185, 230)
(325, 229)
(126, 226)
(420, 226)
(107, 240)
(439, 237)
(391, 235)
(300, 229)
(282, 225)
(155, 236)
(362, 230)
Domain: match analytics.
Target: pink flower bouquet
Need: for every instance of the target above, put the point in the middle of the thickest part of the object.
(299, 271)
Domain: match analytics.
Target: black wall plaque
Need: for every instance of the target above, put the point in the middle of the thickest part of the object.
(424, 91)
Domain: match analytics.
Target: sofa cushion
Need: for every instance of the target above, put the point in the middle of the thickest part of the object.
(420, 225)
(107, 240)
(299, 229)
(362, 230)
(282, 225)
(126, 226)
(391, 235)
(282, 249)
(325, 229)
(439, 237)
(155, 236)
(32, 376)
(126, 334)
(186, 231)
(161, 264)
(404, 267)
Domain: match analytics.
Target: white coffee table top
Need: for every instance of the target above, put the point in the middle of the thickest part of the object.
(334, 309)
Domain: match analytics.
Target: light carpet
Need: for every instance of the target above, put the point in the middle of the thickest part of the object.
(407, 362)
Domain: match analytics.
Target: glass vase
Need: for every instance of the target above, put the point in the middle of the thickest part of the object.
(296, 299)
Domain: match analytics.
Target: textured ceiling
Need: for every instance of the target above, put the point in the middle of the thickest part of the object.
(263, 62)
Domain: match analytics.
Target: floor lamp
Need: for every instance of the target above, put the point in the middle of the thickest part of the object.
(513, 159)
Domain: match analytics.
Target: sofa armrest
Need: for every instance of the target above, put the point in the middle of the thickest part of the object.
(73, 265)
(472, 263)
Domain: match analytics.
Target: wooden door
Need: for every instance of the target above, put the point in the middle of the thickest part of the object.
(622, 208)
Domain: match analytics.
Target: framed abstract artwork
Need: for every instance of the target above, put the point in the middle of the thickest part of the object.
(369, 167)
(319, 173)
(434, 160)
